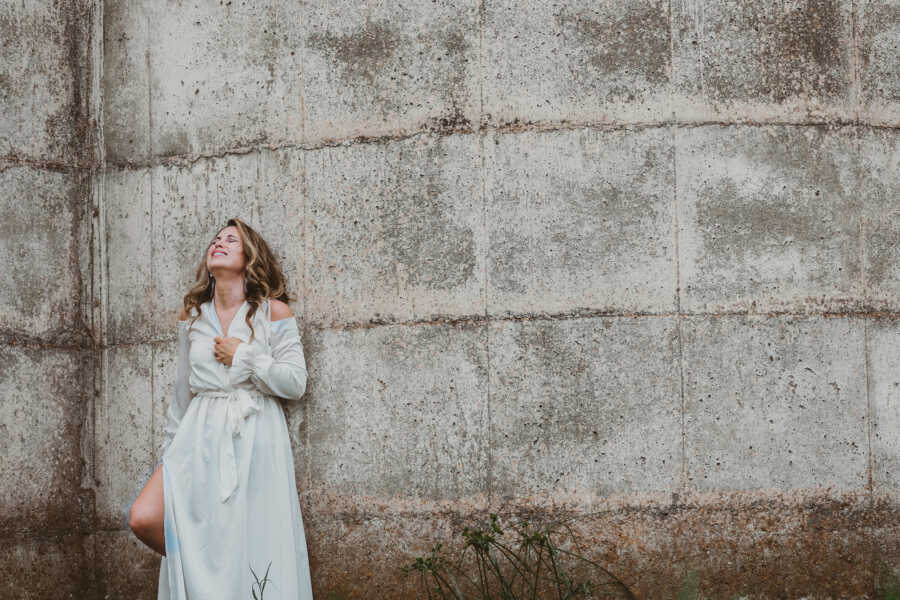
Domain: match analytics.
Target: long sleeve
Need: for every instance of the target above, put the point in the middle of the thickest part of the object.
(281, 373)
(182, 395)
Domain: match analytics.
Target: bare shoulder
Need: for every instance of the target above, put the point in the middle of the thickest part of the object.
(280, 310)
(182, 315)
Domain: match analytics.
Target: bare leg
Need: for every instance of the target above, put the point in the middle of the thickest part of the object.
(147, 513)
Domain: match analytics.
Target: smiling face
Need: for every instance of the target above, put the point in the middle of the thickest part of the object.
(226, 252)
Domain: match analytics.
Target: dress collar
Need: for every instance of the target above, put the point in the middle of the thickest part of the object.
(211, 309)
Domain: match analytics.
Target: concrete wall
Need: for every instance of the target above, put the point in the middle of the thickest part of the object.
(48, 166)
(633, 261)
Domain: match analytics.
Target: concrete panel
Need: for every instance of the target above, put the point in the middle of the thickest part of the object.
(399, 411)
(40, 289)
(44, 75)
(59, 567)
(123, 452)
(580, 220)
(130, 246)
(126, 80)
(581, 62)
(390, 68)
(585, 406)
(222, 76)
(126, 567)
(775, 402)
(880, 188)
(884, 397)
(762, 61)
(395, 231)
(191, 202)
(769, 219)
(44, 393)
(878, 70)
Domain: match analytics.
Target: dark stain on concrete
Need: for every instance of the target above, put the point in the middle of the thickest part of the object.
(778, 53)
(452, 122)
(173, 143)
(360, 55)
(42, 235)
(62, 32)
(633, 42)
(420, 223)
(436, 252)
(388, 61)
(48, 566)
(443, 452)
(802, 208)
(565, 391)
(510, 263)
(879, 78)
(58, 397)
(883, 238)
(593, 226)
(75, 118)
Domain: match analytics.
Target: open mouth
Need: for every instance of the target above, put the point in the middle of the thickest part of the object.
(219, 253)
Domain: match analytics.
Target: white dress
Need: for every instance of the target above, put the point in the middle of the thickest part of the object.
(228, 472)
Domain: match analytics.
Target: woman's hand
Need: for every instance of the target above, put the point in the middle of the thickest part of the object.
(224, 348)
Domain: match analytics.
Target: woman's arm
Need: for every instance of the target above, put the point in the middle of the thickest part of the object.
(281, 373)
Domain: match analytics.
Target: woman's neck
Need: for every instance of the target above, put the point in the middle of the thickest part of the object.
(229, 292)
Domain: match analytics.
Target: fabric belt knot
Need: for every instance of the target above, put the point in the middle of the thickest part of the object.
(240, 403)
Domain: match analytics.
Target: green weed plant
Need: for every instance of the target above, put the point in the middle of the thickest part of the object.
(522, 559)
(259, 584)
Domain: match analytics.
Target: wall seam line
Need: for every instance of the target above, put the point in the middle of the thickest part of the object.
(485, 255)
(678, 312)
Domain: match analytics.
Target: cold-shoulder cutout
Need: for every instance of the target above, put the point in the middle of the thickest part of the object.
(279, 310)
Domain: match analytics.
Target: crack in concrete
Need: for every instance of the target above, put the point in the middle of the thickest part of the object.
(187, 160)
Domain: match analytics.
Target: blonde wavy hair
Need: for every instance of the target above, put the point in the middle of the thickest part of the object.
(263, 277)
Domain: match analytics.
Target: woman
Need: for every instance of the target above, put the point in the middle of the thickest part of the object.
(222, 506)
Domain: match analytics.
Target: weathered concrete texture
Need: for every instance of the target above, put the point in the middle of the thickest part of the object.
(123, 434)
(412, 414)
(44, 395)
(763, 546)
(390, 68)
(395, 231)
(878, 32)
(208, 77)
(883, 351)
(584, 406)
(360, 557)
(161, 219)
(756, 60)
(759, 545)
(580, 220)
(45, 80)
(769, 218)
(126, 81)
(880, 187)
(576, 62)
(775, 403)
(55, 566)
(41, 232)
(126, 567)
(130, 249)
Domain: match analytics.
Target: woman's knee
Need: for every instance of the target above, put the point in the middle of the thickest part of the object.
(141, 518)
